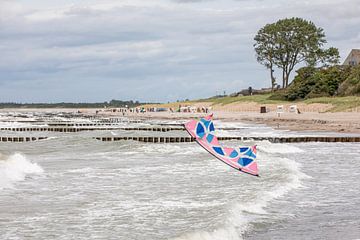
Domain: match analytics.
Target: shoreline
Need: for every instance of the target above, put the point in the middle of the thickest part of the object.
(342, 122)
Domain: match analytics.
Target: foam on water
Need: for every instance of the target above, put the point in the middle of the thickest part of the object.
(221, 124)
(15, 168)
(20, 125)
(133, 190)
(282, 148)
(81, 170)
(170, 149)
(244, 214)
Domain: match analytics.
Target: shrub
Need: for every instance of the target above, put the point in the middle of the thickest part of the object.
(351, 85)
(324, 82)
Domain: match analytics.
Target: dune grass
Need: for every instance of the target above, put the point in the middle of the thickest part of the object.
(339, 103)
(173, 105)
(262, 99)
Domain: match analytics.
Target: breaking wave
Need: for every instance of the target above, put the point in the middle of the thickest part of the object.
(244, 215)
(15, 168)
(278, 148)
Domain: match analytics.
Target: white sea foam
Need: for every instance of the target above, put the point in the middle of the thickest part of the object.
(81, 170)
(278, 148)
(19, 125)
(182, 149)
(242, 215)
(15, 168)
(221, 124)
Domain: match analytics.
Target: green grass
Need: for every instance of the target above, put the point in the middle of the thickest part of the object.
(340, 103)
(262, 99)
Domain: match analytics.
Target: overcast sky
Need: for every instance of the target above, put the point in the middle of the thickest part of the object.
(148, 50)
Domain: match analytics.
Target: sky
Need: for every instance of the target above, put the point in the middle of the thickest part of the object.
(150, 51)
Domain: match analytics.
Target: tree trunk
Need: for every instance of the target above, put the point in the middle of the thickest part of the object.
(284, 77)
(287, 78)
(272, 77)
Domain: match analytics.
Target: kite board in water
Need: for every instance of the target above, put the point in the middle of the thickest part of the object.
(241, 158)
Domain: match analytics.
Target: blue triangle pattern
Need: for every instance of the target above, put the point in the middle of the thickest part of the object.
(244, 161)
(211, 128)
(205, 122)
(234, 154)
(209, 138)
(250, 154)
(218, 150)
(243, 149)
(200, 131)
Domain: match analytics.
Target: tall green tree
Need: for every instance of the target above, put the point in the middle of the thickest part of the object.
(266, 50)
(292, 41)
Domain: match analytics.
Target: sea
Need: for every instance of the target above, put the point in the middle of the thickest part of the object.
(72, 186)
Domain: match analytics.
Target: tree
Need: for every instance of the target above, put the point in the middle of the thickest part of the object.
(265, 49)
(325, 57)
(289, 42)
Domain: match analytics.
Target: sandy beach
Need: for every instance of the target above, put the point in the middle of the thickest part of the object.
(347, 122)
(334, 122)
(312, 117)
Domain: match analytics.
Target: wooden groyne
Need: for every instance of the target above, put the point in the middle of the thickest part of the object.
(62, 124)
(191, 139)
(148, 139)
(21, 139)
(79, 129)
(270, 139)
(92, 127)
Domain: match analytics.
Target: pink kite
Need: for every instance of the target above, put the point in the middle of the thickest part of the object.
(241, 158)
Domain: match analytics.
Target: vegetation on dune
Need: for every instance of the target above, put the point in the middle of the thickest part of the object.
(351, 85)
(313, 82)
(262, 99)
(339, 103)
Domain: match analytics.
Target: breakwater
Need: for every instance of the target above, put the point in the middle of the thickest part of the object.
(103, 128)
(21, 139)
(79, 129)
(270, 139)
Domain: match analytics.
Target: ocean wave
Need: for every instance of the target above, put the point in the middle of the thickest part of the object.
(15, 168)
(180, 149)
(268, 147)
(243, 215)
(81, 170)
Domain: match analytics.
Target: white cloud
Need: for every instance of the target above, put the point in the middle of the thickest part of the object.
(149, 50)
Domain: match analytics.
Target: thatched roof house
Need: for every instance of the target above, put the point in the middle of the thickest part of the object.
(353, 58)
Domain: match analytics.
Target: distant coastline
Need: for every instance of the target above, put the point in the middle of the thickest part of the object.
(110, 104)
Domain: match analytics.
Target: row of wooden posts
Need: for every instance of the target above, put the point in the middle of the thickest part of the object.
(21, 139)
(59, 129)
(271, 139)
(76, 129)
(191, 139)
